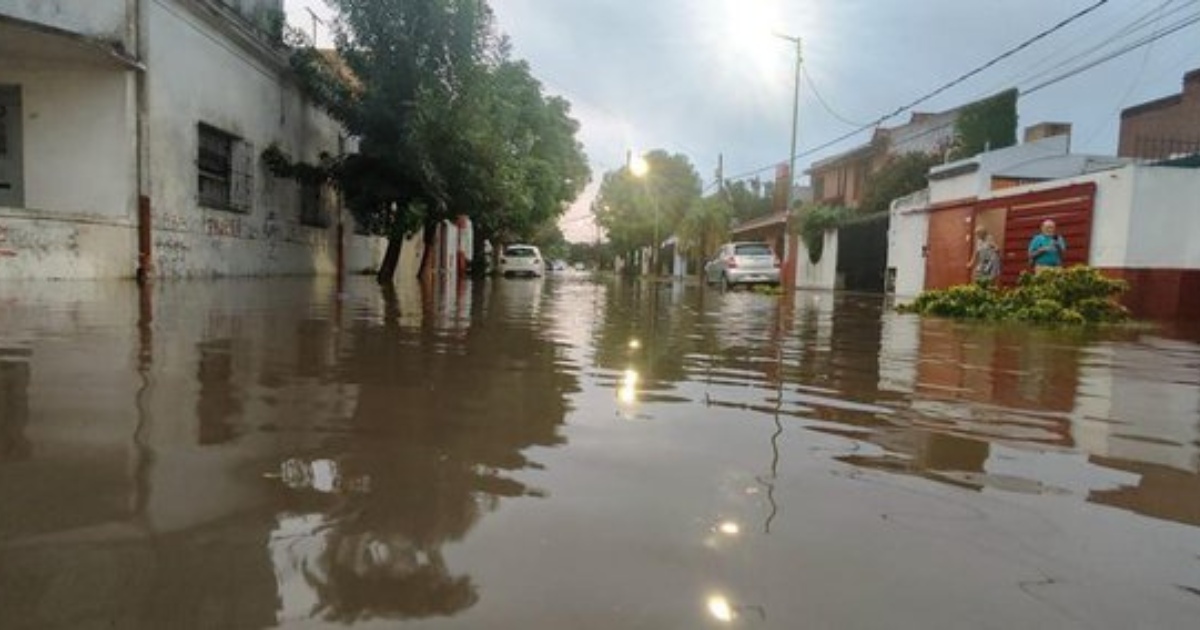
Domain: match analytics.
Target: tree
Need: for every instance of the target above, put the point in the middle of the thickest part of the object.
(705, 226)
(747, 201)
(533, 164)
(630, 208)
(988, 124)
(901, 175)
(447, 123)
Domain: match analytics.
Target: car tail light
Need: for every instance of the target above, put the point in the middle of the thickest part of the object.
(731, 262)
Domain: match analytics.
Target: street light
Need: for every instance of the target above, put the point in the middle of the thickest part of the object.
(640, 168)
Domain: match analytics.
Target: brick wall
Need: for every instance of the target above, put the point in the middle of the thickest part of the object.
(1163, 127)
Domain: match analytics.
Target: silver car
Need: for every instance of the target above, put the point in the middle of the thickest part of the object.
(743, 263)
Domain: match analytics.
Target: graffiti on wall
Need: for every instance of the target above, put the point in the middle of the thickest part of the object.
(4, 250)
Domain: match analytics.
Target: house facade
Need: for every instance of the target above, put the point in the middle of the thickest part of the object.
(1166, 127)
(1133, 221)
(132, 137)
(929, 240)
(841, 179)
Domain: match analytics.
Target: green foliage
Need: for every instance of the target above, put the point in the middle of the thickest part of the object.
(902, 175)
(447, 123)
(705, 225)
(627, 207)
(747, 200)
(550, 240)
(813, 221)
(1072, 296)
(988, 124)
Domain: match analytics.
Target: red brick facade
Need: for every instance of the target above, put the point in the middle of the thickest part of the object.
(1164, 127)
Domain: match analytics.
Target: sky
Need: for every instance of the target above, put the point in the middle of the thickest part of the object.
(709, 78)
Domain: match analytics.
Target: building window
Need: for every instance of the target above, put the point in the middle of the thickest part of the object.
(312, 210)
(225, 170)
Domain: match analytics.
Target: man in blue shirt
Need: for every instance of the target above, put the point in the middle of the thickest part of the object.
(1046, 249)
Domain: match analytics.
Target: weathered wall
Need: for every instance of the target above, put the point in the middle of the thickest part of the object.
(78, 214)
(823, 274)
(1164, 229)
(258, 105)
(100, 19)
(907, 234)
(79, 176)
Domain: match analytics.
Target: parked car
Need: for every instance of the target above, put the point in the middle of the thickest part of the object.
(521, 260)
(743, 263)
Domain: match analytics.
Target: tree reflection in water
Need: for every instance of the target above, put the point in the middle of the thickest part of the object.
(445, 405)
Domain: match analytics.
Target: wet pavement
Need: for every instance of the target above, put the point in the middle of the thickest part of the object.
(583, 453)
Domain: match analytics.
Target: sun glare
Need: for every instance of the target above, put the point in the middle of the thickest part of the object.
(740, 39)
(749, 33)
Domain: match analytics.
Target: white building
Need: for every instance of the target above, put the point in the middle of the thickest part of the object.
(131, 137)
(960, 184)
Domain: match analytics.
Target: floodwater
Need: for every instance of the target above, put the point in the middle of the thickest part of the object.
(579, 453)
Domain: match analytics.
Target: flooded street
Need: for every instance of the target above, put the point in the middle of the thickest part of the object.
(578, 453)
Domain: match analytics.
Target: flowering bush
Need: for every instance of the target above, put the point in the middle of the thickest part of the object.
(1076, 295)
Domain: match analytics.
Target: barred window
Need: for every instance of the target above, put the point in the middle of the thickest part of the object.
(224, 169)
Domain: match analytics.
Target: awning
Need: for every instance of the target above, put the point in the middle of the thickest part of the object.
(30, 41)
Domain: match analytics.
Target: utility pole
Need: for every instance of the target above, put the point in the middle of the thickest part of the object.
(791, 178)
(721, 173)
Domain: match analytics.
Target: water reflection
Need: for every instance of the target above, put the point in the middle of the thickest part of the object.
(354, 441)
(14, 403)
(257, 454)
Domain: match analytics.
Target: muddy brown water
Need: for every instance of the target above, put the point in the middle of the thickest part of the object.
(583, 453)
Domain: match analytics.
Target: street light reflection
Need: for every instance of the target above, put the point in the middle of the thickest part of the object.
(719, 608)
(729, 528)
(635, 344)
(628, 392)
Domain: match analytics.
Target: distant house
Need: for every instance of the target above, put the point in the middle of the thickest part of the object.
(1164, 128)
(131, 140)
(857, 260)
(841, 179)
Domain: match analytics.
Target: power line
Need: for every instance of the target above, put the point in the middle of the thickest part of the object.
(820, 99)
(1149, 39)
(944, 87)
(1150, 19)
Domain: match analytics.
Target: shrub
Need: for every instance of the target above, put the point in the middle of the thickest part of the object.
(1074, 296)
(814, 220)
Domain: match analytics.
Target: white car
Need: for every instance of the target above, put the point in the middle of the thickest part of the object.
(521, 260)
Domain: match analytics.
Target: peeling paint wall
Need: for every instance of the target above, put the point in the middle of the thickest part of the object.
(79, 175)
(822, 274)
(102, 19)
(256, 104)
(79, 130)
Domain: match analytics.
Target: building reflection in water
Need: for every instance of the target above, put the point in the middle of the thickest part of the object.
(286, 460)
(1038, 396)
(14, 403)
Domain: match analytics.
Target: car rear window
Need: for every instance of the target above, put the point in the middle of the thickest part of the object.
(520, 252)
(752, 249)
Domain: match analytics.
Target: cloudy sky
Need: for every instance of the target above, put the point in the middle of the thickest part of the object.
(710, 77)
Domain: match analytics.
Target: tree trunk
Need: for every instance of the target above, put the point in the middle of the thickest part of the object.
(429, 238)
(479, 261)
(391, 258)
